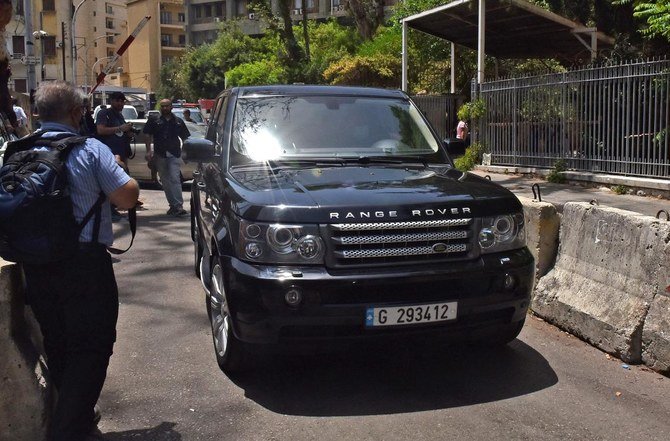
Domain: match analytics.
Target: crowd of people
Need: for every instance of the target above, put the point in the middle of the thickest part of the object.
(75, 300)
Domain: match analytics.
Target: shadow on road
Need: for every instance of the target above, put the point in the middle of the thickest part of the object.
(393, 379)
(163, 432)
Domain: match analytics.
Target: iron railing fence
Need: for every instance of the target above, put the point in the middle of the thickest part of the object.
(440, 111)
(610, 119)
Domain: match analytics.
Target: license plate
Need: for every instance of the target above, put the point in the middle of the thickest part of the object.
(410, 314)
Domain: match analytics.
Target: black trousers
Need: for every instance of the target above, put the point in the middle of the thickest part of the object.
(76, 304)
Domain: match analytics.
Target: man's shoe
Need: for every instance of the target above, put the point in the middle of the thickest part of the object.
(181, 212)
(172, 211)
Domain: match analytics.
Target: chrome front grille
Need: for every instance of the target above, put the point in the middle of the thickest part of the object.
(375, 243)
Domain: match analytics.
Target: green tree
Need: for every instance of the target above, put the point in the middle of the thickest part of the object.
(655, 14)
(373, 71)
(368, 15)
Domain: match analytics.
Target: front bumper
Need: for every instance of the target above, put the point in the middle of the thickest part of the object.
(334, 304)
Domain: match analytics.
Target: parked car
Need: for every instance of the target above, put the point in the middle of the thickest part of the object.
(128, 112)
(321, 213)
(137, 164)
(196, 116)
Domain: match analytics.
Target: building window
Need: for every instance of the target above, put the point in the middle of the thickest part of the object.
(109, 23)
(110, 39)
(218, 9)
(181, 17)
(49, 46)
(182, 40)
(197, 11)
(166, 17)
(18, 44)
(109, 9)
(110, 53)
(48, 5)
(20, 85)
(208, 10)
(166, 40)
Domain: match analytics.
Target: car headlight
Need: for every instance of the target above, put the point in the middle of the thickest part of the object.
(280, 243)
(501, 233)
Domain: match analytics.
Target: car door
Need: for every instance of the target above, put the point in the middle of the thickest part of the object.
(208, 176)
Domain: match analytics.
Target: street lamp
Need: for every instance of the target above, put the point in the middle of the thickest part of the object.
(113, 34)
(73, 36)
(94, 64)
(39, 35)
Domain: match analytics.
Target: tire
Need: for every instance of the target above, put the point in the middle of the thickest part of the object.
(230, 352)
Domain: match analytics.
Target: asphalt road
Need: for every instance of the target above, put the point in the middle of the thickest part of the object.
(164, 383)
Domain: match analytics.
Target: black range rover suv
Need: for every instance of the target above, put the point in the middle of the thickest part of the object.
(325, 212)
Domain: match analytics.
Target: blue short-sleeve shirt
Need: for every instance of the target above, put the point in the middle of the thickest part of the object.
(91, 169)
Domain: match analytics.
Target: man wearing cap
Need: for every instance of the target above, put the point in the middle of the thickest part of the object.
(114, 131)
(112, 127)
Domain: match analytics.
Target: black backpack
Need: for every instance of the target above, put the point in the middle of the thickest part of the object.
(37, 223)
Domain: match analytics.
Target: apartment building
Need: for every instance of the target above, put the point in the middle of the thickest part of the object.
(163, 39)
(42, 49)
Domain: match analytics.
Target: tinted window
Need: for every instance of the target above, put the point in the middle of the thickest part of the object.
(275, 127)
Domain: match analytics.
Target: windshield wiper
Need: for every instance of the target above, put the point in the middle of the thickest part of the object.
(391, 159)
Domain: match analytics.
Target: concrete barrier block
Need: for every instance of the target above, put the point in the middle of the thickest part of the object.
(656, 331)
(542, 225)
(605, 277)
(25, 399)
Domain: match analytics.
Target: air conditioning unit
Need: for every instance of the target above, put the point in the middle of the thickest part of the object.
(252, 16)
(297, 11)
(17, 56)
(217, 19)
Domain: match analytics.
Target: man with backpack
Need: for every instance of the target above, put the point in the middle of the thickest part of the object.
(74, 297)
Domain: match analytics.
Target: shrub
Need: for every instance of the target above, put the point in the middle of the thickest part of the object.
(555, 175)
(472, 157)
(620, 189)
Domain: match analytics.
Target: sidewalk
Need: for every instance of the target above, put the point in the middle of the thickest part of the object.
(559, 194)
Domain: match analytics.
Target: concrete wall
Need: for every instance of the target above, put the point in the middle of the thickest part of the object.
(608, 285)
(25, 394)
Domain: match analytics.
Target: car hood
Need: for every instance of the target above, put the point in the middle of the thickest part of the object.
(365, 193)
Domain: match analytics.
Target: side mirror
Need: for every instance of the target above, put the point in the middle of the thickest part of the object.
(455, 147)
(198, 150)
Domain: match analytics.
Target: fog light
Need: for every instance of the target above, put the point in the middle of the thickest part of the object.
(509, 282)
(308, 247)
(253, 250)
(293, 297)
(486, 238)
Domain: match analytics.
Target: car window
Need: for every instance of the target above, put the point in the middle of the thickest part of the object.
(196, 116)
(275, 127)
(129, 112)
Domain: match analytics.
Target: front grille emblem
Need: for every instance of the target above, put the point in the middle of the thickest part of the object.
(439, 248)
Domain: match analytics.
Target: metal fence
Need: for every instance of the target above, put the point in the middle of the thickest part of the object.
(440, 111)
(612, 119)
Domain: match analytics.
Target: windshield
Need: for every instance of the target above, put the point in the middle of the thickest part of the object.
(196, 116)
(286, 127)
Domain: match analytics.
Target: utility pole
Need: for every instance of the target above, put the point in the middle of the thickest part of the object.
(62, 45)
(30, 54)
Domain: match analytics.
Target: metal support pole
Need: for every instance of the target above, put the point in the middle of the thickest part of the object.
(404, 56)
(481, 32)
(453, 68)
